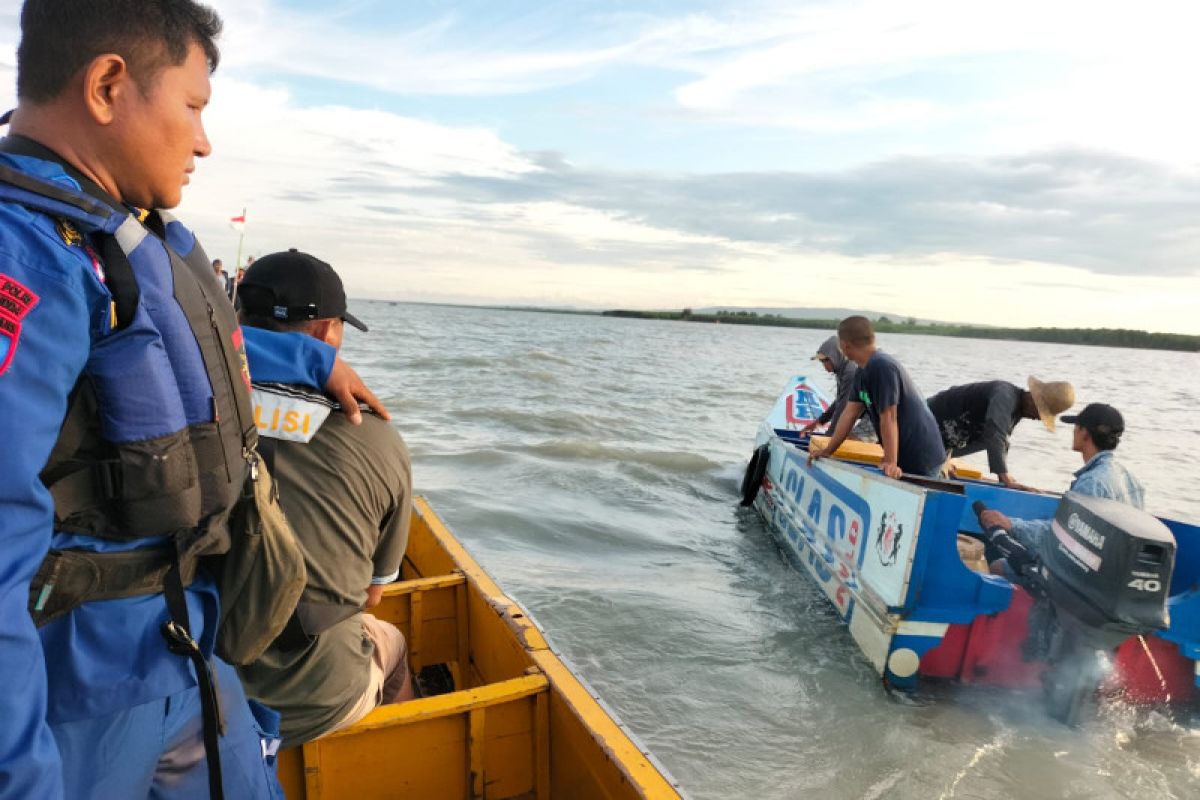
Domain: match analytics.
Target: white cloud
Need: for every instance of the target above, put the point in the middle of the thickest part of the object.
(400, 205)
(429, 59)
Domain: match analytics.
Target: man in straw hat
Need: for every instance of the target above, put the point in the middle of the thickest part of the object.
(982, 416)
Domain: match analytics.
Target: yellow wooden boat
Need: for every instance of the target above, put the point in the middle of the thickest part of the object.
(519, 725)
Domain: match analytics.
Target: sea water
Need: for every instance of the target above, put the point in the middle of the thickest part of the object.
(591, 465)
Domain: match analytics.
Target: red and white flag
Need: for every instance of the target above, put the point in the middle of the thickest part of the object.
(238, 223)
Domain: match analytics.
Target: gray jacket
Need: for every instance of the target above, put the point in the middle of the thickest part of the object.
(844, 370)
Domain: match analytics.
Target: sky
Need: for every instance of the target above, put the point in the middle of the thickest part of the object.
(1009, 163)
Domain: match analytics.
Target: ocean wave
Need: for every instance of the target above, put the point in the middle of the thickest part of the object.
(542, 355)
(576, 450)
(554, 423)
(430, 362)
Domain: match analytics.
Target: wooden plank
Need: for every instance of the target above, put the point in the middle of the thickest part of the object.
(416, 626)
(445, 704)
(463, 628)
(312, 771)
(475, 745)
(581, 728)
(400, 588)
(541, 743)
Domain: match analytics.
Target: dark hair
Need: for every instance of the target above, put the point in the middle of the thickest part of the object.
(856, 330)
(1103, 438)
(61, 37)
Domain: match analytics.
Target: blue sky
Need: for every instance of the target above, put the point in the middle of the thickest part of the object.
(1022, 162)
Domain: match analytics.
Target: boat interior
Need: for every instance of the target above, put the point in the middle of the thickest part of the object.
(511, 720)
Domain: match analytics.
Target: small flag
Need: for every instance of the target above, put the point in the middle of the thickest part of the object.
(238, 223)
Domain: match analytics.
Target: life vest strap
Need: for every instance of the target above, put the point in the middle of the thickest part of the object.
(68, 578)
(92, 486)
(54, 199)
(176, 631)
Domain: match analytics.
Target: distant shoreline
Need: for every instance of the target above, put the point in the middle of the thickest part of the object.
(1096, 337)
(1100, 337)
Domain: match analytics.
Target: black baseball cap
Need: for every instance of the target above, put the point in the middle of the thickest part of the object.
(1098, 418)
(292, 286)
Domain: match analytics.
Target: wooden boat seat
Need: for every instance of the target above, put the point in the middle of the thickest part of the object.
(501, 730)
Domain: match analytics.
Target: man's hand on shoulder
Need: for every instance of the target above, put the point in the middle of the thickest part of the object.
(347, 388)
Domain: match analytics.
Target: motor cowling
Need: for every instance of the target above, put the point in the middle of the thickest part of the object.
(1108, 566)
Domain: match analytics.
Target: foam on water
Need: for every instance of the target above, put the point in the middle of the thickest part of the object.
(591, 465)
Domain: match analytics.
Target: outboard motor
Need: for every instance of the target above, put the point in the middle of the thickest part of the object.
(1101, 575)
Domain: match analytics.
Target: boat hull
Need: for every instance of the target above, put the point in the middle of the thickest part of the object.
(885, 554)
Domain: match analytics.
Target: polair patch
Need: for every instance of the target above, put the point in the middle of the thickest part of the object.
(9, 333)
(15, 302)
(17, 299)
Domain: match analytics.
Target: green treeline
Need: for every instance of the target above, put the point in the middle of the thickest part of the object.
(1107, 337)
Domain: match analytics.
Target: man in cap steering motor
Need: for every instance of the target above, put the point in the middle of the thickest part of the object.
(1097, 433)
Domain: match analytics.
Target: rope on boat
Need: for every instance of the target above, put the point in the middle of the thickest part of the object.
(1162, 681)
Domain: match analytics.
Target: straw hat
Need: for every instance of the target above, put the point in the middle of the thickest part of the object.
(1051, 399)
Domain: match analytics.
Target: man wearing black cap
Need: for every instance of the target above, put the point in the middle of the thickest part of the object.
(1098, 430)
(347, 492)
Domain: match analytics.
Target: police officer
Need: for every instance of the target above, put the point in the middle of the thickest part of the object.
(128, 427)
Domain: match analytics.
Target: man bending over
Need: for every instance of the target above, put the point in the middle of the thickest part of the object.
(982, 416)
(906, 428)
(347, 492)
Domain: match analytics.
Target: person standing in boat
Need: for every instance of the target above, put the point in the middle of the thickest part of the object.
(982, 416)
(347, 491)
(222, 275)
(1098, 430)
(844, 370)
(118, 358)
(905, 426)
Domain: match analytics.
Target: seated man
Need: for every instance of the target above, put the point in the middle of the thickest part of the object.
(844, 370)
(1098, 430)
(347, 491)
(906, 428)
(982, 416)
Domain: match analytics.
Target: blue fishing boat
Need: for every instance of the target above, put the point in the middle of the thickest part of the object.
(1113, 602)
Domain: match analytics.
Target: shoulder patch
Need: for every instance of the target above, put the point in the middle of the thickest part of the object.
(284, 413)
(16, 300)
(68, 232)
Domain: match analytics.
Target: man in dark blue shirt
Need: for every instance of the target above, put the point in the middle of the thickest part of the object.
(907, 430)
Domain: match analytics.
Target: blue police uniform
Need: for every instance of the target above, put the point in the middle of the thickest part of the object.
(99, 683)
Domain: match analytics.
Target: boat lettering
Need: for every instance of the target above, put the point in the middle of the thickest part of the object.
(1085, 531)
(836, 528)
(803, 405)
(814, 508)
(279, 416)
